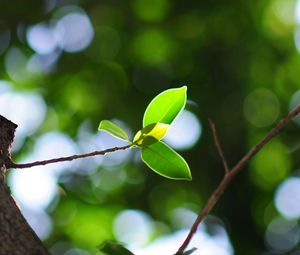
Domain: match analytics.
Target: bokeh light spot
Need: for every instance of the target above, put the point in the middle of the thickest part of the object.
(39, 221)
(270, 166)
(217, 244)
(16, 64)
(284, 10)
(297, 11)
(41, 38)
(297, 39)
(110, 180)
(133, 227)
(117, 158)
(151, 10)
(40, 64)
(105, 45)
(17, 106)
(74, 32)
(184, 28)
(5, 86)
(55, 144)
(279, 17)
(185, 132)
(282, 235)
(182, 218)
(153, 47)
(34, 188)
(261, 107)
(287, 198)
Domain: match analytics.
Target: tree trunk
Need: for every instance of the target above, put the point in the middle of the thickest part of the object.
(16, 236)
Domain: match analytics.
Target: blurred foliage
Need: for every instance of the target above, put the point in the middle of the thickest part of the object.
(240, 61)
(114, 248)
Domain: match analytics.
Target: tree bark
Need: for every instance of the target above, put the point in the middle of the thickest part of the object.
(16, 236)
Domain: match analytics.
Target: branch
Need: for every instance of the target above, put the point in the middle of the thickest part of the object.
(218, 145)
(232, 173)
(62, 159)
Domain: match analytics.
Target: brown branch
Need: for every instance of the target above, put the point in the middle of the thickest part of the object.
(232, 173)
(62, 159)
(218, 145)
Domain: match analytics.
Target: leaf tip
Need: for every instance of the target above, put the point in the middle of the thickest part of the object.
(184, 88)
(190, 178)
(187, 177)
(113, 129)
(100, 125)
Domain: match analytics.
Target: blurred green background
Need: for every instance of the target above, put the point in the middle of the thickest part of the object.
(67, 64)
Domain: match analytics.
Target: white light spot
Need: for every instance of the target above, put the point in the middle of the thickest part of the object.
(4, 86)
(287, 198)
(41, 38)
(282, 235)
(39, 221)
(134, 227)
(297, 11)
(34, 188)
(28, 110)
(74, 32)
(52, 145)
(184, 132)
(111, 160)
(87, 142)
(209, 245)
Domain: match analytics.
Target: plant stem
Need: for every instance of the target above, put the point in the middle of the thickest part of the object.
(218, 145)
(215, 196)
(62, 159)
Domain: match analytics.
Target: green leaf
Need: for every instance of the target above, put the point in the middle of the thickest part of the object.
(113, 248)
(165, 107)
(113, 129)
(150, 134)
(165, 161)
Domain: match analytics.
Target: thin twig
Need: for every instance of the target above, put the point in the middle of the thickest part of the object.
(232, 173)
(218, 145)
(62, 159)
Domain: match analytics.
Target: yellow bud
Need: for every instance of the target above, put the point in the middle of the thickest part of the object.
(150, 134)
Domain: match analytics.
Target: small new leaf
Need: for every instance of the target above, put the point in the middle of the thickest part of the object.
(113, 129)
(165, 161)
(165, 107)
(150, 134)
